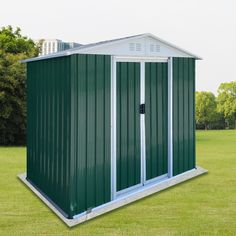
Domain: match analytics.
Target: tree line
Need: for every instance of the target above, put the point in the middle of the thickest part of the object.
(211, 112)
(217, 112)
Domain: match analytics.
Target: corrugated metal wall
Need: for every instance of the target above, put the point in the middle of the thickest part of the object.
(48, 128)
(68, 132)
(68, 127)
(183, 114)
(156, 118)
(90, 145)
(128, 124)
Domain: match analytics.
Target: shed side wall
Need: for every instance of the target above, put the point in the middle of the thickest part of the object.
(48, 128)
(90, 146)
(183, 114)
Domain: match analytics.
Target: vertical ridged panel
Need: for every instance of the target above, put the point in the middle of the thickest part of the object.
(128, 124)
(68, 142)
(183, 114)
(156, 94)
(90, 131)
(48, 156)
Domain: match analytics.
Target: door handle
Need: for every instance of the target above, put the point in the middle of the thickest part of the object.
(142, 109)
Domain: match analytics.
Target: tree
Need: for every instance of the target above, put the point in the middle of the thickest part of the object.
(227, 100)
(205, 108)
(39, 44)
(13, 48)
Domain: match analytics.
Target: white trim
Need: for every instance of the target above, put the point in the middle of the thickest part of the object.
(136, 187)
(113, 128)
(170, 118)
(157, 179)
(142, 124)
(140, 59)
(121, 201)
(128, 190)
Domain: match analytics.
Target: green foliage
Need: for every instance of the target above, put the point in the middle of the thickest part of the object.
(205, 108)
(217, 113)
(13, 48)
(227, 100)
(218, 122)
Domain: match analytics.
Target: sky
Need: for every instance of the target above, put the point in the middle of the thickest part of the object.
(204, 27)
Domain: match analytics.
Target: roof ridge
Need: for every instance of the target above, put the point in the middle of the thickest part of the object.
(100, 43)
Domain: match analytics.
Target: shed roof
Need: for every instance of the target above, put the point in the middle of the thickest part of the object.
(109, 47)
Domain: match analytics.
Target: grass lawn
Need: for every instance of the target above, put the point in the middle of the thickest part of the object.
(205, 205)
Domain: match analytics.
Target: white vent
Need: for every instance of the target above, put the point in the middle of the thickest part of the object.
(157, 48)
(151, 47)
(131, 47)
(135, 47)
(154, 48)
(138, 47)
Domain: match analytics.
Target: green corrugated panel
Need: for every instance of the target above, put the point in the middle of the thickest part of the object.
(91, 131)
(68, 147)
(156, 119)
(48, 83)
(183, 114)
(128, 124)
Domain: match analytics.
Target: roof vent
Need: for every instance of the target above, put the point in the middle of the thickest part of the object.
(138, 47)
(135, 47)
(131, 46)
(154, 48)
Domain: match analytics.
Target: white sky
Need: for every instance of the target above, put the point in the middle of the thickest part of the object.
(204, 27)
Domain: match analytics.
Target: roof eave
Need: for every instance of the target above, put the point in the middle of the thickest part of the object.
(174, 46)
(80, 49)
(59, 54)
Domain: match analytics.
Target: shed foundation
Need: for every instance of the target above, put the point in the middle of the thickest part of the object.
(122, 200)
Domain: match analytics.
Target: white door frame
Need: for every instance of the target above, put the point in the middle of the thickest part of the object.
(170, 117)
(141, 60)
(142, 124)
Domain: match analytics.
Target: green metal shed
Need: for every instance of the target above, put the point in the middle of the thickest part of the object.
(109, 123)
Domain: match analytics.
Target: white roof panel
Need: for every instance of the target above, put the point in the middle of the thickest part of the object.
(138, 45)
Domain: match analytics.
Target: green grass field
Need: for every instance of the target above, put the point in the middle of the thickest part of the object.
(205, 205)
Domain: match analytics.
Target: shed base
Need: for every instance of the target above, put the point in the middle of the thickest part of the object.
(120, 201)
